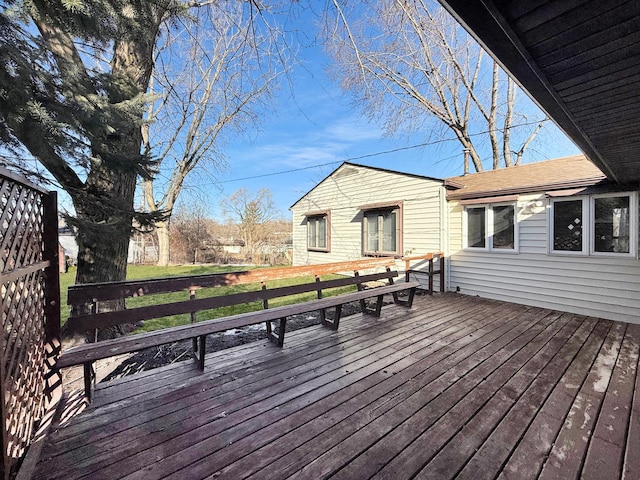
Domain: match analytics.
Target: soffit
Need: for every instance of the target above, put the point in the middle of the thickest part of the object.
(579, 60)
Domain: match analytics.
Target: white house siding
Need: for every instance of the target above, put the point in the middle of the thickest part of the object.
(605, 287)
(351, 187)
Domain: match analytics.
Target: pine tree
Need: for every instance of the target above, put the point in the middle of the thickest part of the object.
(74, 76)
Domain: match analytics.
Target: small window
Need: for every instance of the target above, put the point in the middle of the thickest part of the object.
(491, 227)
(503, 227)
(381, 232)
(567, 226)
(612, 224)
(318, 229)
(476, 227)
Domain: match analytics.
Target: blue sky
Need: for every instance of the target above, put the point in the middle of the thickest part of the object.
(312, 127)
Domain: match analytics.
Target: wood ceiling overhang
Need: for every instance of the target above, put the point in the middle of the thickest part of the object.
(579, 60)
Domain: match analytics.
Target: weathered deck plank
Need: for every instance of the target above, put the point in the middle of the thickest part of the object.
(527, 459)
(458, 387)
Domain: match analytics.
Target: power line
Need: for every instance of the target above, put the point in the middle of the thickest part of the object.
(350, 159)
(368, 155)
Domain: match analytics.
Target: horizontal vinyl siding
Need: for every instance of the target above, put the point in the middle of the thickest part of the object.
(344, 194)
(606, 287)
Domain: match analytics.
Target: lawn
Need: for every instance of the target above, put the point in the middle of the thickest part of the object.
(135, 272)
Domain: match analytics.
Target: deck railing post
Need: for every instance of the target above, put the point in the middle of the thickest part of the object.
(52, 272)
(441, 261)
(192, 296)
(431, 276)
(407, 267)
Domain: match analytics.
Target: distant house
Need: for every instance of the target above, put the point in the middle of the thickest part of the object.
(555, 234)
(359, 212)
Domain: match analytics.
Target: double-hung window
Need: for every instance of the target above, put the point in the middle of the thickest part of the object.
(382, 230)
(491, 227)
(604, 224)
(318, 231)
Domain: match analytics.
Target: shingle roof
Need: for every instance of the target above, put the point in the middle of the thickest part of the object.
(562, 173)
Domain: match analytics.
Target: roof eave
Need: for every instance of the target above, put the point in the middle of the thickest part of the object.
(585, 182)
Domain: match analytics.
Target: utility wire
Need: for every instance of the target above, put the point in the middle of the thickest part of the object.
(368, 155)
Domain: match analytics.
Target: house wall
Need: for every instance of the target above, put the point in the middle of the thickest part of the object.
(605, 287)
(351, 187)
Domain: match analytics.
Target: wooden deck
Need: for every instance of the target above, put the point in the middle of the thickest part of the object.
(459, 387)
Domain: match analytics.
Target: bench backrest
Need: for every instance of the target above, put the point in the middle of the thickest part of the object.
(92, 293)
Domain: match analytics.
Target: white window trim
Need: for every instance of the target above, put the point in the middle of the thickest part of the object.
(588, 220)
(489, 230)
(585, 226)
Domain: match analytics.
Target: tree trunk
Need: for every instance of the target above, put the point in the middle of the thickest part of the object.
(164, 249)
(107, 202)
(105, 223)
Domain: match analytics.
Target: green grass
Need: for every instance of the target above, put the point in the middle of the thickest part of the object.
(136, 272)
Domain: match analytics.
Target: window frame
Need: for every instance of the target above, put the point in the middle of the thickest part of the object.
(379, 210)
(490, 227)
(317, 216)
(588, 229)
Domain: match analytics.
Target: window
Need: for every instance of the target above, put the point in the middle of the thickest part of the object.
(476, 231)
(491, 227)
(503, 227)
(611, 224)
(318, 228)
(567, 226)
(597, 225)
(382, 231)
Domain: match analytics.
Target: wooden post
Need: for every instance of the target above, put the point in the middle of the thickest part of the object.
(192, 296)
(265, 301)
(431, 276)
(323, 313)
(363, 305)
(441, 261)
(52, 272)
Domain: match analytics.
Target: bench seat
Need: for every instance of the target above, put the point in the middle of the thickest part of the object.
(90, 352)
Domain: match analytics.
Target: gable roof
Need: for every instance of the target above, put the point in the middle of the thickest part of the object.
(579, 60)
(561, 173)
(376, 169)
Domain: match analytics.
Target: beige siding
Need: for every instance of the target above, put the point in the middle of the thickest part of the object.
(351, 187)
(605, 287)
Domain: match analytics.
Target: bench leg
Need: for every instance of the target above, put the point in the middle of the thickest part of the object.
(88, 380)
(409, 301)
(379, 305)
(333, 324)
(202, 340)
(374, 311)
(277, 339)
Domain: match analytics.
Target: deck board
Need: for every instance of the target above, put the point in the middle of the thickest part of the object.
(457, 387)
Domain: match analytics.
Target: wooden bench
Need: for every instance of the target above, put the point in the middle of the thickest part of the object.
(92, 294)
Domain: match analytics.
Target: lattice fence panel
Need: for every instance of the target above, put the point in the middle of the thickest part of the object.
(23, 288)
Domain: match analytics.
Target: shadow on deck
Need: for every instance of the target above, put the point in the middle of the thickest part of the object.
(459, 387)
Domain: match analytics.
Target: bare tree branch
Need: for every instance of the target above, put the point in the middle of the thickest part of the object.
(407, 62)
